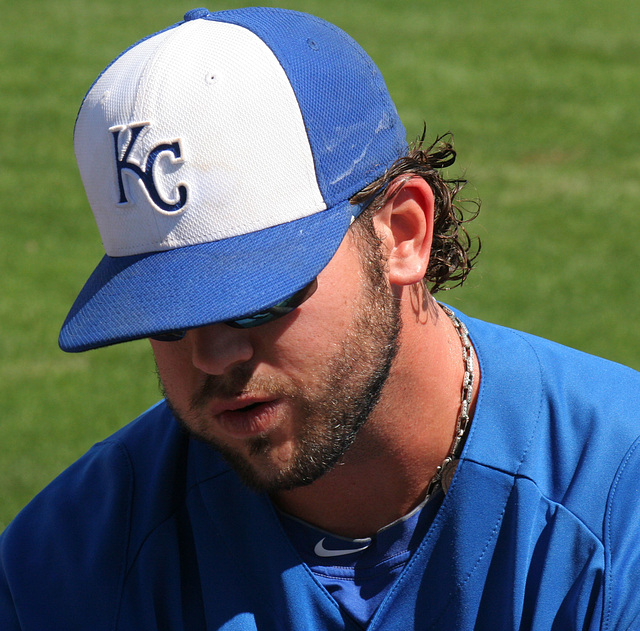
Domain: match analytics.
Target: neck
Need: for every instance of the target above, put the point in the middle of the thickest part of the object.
(386, 472)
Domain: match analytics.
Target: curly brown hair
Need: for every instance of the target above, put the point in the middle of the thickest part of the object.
(453, 251)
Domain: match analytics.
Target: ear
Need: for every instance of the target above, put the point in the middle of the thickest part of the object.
(405, 225)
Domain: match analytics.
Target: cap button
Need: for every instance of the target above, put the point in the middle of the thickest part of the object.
(194, 14)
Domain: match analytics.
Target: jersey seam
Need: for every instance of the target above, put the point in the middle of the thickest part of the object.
(543, 380)
(608, 598)
(126, 537)
(131, 557)
(543, 495)
(393, 559)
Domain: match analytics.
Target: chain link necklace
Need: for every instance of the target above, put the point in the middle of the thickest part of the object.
(445, 472)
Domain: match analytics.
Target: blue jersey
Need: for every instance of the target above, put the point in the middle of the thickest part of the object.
(152, 530)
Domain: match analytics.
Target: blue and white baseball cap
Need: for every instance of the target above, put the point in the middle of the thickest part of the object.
(219, 157)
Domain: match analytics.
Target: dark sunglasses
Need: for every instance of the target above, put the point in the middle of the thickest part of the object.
(255, 319)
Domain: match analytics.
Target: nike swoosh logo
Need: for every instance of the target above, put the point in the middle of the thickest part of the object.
(321, 551)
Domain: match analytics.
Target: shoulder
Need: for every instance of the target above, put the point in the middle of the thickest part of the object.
(562, 418)
(556, 387)
(558, 431)
(550, 362)
(75, 526)
(73, 542)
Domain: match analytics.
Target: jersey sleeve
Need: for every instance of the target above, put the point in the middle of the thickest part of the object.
(621, 535)
(63, 558)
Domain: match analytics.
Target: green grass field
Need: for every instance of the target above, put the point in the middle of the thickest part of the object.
(542, 97)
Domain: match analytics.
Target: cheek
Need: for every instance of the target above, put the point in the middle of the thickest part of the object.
(313, 339)
(172, 361)
(321, 325)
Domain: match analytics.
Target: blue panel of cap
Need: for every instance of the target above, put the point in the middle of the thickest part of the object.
(352, 123)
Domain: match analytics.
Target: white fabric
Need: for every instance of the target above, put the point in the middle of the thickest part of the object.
(196, 84)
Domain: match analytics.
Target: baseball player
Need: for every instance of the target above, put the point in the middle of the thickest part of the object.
(335, 450)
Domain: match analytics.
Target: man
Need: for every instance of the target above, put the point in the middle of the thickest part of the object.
(336, 450)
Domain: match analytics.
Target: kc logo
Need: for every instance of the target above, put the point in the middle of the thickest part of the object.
(146, 175)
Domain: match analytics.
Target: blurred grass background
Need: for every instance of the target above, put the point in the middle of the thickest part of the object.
(542, 97)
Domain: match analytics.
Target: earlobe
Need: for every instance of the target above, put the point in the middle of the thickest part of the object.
(405, 224)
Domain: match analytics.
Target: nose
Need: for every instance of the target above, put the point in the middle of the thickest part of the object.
(217, 348)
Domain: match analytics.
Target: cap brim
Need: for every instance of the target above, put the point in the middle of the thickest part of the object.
(133, 297)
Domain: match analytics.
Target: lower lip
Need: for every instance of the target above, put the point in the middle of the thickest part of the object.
(245, 423)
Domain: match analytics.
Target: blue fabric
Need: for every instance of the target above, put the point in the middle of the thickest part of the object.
(359, 581)
(188, 287)
(150, 530)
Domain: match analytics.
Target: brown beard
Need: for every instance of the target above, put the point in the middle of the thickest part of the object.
(333, 408)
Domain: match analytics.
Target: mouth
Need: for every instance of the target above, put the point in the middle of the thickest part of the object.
(251, 406)
(246, 418)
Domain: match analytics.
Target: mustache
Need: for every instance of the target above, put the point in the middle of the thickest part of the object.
(231, 384)
(237, 382)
